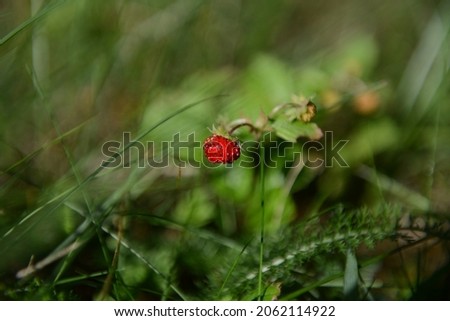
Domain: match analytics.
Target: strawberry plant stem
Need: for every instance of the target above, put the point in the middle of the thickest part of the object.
(262, 218)
(240, 123)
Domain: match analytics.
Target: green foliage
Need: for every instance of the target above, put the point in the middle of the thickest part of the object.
(75, 75)
(297, 248)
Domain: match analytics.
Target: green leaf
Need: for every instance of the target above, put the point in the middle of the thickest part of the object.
(370, 139)
(291, 131)
(351, 276)
(266, 83)
(357, 57)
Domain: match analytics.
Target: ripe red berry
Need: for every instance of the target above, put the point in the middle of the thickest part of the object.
(219, 149)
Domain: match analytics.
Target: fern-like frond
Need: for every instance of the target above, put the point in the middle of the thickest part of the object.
(315, 249)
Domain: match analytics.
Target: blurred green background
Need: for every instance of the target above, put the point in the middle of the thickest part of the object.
(76, 74)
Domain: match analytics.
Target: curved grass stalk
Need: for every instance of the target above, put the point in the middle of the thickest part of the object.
(27, 23)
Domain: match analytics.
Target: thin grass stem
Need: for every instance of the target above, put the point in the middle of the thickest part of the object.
(262, 218)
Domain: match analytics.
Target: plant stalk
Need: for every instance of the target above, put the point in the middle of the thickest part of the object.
(262, 218)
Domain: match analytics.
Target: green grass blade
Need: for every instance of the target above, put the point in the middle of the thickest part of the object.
(79, 278)
(11, 170)
(27, 23)
(201, 233)
(232, 268)
(351, 276)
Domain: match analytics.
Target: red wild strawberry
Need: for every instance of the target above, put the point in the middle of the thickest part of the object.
(219, 149)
